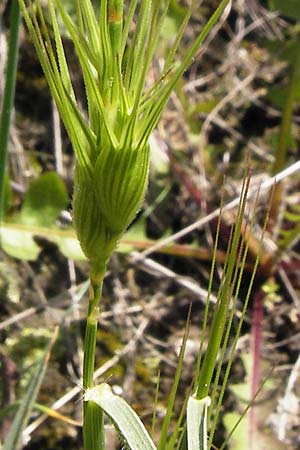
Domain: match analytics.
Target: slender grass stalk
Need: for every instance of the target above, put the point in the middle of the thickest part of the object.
(8, 95)
(284, 134)
(217, 397)
(162, 445)
(93, 433)
(207, 304)
(218, 328)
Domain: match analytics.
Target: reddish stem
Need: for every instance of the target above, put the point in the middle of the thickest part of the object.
(256, 332)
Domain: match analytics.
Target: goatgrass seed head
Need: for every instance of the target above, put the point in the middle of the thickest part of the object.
(115, 51)
(106, 200)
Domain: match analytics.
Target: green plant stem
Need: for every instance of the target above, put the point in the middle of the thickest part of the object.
(93, 432)
(8, 94)
(93, 427)
(284, 133)
(91, 334)
(220, 317)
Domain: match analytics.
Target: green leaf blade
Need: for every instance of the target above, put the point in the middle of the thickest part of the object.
(45, 199)
(132, 430)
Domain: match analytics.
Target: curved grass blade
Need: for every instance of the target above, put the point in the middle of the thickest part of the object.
(197, 423)
(133, 432)
(13, 440)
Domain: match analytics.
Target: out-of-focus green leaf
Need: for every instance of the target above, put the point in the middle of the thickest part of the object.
(238, 440)
(292, 143)
(18, 243)
(136, 233)
(205, 107)
(174, 19)
(278, 95)
(44, 200)
(289, 8)
(285, 50)
(242, 392)
(70, 247)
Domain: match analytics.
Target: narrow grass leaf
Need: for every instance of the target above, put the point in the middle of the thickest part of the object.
(138, 48)
(126, 27)
(157, 20)
(198, 41)
(171, 401)
(64, 71)
(178, 436)
(8, 96)
(172, 51)
(91, 25)
(13, 440)
(218, 391)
